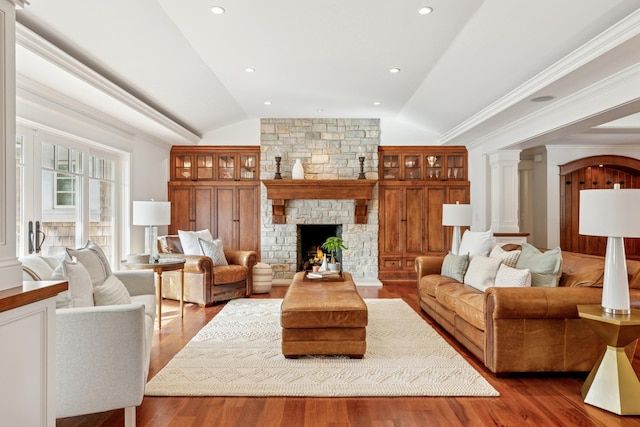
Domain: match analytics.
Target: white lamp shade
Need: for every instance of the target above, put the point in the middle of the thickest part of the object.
(456, 214)
(151, 213)
(610, 213)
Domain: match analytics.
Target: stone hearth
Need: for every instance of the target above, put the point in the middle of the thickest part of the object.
(328, 149)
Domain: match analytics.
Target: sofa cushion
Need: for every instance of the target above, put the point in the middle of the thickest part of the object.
(80, 292)
(545, 267)
(509, 277)
(482, 271)
(189, 240)
(509, 258)
(94, 261)
(448, 294)
(429, 283)
(470, 307)
(213, 249)
(476, 243)
(111, 292)
(229, 274)
(580, 270)
(454, 266)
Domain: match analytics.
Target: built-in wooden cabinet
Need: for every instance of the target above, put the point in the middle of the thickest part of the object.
(414, 184)
(214, 163)
(423, 164)
(217, 188)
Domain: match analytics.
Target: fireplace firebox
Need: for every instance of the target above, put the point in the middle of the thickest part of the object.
(310, 238)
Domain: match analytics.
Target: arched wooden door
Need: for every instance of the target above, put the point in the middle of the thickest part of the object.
(587, 173)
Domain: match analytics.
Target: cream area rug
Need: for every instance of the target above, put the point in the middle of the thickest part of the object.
(238, 354)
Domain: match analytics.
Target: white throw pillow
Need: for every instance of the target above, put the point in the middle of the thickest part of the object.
(509, 277)
(476, 243)
(80, 292)
(214, 250)
(93, 260)
(189, 241)
(509, 258)
(482, 271)
(112, 291)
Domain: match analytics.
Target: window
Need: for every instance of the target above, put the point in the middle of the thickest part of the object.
(67, 190)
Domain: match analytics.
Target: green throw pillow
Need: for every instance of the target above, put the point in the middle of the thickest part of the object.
(545, 267)
(455, 266)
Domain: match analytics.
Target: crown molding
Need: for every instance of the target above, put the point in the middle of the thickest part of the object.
(618, 82)
(46, 50)
(617, 34)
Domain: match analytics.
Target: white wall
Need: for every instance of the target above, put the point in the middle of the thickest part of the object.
(242, 133)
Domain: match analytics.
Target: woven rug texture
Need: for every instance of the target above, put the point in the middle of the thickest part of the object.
(238, 354)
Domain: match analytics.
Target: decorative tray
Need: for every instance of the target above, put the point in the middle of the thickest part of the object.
(323, 276)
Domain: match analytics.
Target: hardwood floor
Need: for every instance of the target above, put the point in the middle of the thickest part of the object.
(534, 400)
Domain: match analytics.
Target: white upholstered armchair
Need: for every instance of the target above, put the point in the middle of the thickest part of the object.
(102, 352)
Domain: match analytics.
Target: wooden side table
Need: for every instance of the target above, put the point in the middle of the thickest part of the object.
(163, 264)
(612, 383)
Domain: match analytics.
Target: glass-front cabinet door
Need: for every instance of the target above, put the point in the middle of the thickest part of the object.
(248, 166)
(204, 166)
(391, 166)
(412, 164)
(183, 167)
(433, 167)
(226, 166)
(455, 167)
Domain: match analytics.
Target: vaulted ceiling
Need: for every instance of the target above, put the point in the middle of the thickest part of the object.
(466, 70)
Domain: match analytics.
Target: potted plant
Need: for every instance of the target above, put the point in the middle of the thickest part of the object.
(332, 245)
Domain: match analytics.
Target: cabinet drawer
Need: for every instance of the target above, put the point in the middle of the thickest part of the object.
(392, 264)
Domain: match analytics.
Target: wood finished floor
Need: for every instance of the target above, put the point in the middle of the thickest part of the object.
(525, 400)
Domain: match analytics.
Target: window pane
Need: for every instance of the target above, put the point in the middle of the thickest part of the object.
(48, 155)
(20, 149)
(76, 164)
(63, 159)
(101, 217)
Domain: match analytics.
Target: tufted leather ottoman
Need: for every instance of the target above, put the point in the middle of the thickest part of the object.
(323, 316)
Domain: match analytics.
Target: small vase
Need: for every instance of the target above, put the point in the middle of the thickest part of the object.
(323, 267)
(298, 170)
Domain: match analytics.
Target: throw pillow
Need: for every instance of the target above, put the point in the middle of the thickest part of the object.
(111, 292)
(476, 243)
(546, 267)
(189, 241)
(95, 262)
(509, 277)
(509, 258)
(482, 271)
(213, 249)
(454, 266)
(80, 292)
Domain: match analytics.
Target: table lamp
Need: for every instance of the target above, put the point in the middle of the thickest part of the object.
(151, 214)
(612, 213)
(456, 215)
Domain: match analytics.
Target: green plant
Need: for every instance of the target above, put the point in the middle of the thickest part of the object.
(333, 245)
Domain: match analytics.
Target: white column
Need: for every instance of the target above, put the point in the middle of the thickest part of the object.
(504, 191)
(526, 196)
(10, 270)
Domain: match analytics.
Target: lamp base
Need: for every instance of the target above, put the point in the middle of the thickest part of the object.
(455, 241)
(151, 243)
(615, 286)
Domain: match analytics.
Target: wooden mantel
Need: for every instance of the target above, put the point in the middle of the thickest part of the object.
(358, 190)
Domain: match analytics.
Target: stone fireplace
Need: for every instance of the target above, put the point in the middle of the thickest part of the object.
(328, 149)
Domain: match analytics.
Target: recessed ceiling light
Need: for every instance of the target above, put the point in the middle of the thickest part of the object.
(425, 10)
(377, 103)
(544, 98)
(320, 110)
(250, 70)
(217, 10)
(267, 102)
(394, 70)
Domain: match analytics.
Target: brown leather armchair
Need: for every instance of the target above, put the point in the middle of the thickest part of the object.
(205, 283)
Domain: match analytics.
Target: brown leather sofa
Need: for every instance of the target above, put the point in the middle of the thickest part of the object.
(532, 329)
(205, 283)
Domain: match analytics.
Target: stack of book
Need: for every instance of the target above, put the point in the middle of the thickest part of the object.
(322, 274)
